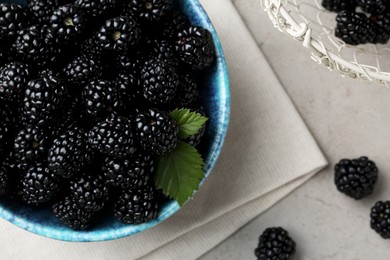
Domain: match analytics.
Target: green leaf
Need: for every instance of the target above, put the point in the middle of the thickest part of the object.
(189, 122)
(179, 173)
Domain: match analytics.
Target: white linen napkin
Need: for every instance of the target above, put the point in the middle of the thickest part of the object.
(268, 153)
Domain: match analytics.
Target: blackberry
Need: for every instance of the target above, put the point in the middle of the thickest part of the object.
(41, 9)
(173, 22)
(150, 10)
(129, 64)
(339, 5)
(113, 136)
(165, 51)
(89, 191)
(68, 153)
(7, 127)
(356, 178)
(129, 88)
(30, 145)
(136, 206)
(14, 77)
(188, 92)
(82, 69)
(275, 243)
(373, 6)
(43, 97)
(380, 28)
(156, 131)
(91, 48)
(195, 47)
(380, 218)
(31, 45)
(4, 181)
(13, 18)
(66, 22)
(71, 214)
(352, 27)
(38, 185)
(100, 98)
(118, 34)
(95, 8)
(160, 82)
(128, 173)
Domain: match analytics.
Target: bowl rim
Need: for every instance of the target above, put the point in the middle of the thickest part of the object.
(64, 234)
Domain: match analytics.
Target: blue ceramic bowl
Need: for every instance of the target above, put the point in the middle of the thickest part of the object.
(216, 100)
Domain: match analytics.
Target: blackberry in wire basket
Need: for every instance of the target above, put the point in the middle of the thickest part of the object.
(352, 27)
(71, 214)
(150, 10)
(275, 244)
(14, 77)
(380, 218)
(373, 6)
(13, 18)
(339, 5)
(380, 32)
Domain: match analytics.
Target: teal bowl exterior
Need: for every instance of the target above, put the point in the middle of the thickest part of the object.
(216, 100)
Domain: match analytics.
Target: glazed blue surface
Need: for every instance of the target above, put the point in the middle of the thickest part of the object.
(216, 99)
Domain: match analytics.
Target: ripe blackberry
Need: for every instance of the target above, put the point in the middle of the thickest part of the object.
(31, 45)
(4, 181)
(66, 22)
(380, 32)
(89, 191)
(14, 76)
(173, 22)
(150, 10)
(136, 206)
(339, 5)
(352, 27)
(13, 18)
(95, 8)
(188, 92)
(30, 145)
(129, 88)
(195, 47)
(160, 82)
(71, 214)
(81, 70)
(128, 173)
(38, 185)
(156, 131)
(380, 218)
(7, 127)
(41, 9)
(68, 153)
(100, 98)
(275, 243)
(356, 178)
(43, 97)
(373, 6)
(113, 136)
(164, 50)
(118, 34)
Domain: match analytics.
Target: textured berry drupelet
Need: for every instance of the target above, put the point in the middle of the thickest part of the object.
(95, 8)
(14, 77)
(82, 69)
(156, 131)
(339, 5)
(89, 191)
(150, 10)
(380, 25)
(7, 127)
(31, 44)
(173, 22)
(71, 214)
(68, 153)
(38, 185)
(118, 34)
(4, 181)
(275, 244)
(352, 27)
(373, 6)
(380, 218)
(188, 92)
(66, 22)
(164, 50)
(42, 9)
(113, 136)
(136, 206)
(195, 47)
(356, 178)
(160, 82)
(43, 97)
(13, 18)
(128, 173)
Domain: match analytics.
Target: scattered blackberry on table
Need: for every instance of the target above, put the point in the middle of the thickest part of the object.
(66, 22)
(89, 191)
(4, 181)
(160, 82)
(136, 206)
(118, 34)
(95, 8)
(339, 5)
(156, 131)
(195, 47)
(71, 214)
(113, 136)
(275, 244)
(13, 18)
(356, 178)
(380, 31)
(380, 218)
(128, 173)
(42, 9)
(150, 10)
(352, 27)
(14, 77)
(82, 69)
(373, 6)
(38, 185)
(188, 92)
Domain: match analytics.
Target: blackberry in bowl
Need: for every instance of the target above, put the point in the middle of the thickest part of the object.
(93, 129)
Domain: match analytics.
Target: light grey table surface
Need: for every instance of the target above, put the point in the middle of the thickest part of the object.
(348, 118)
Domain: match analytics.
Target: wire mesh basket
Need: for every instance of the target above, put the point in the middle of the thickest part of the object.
(309, 23)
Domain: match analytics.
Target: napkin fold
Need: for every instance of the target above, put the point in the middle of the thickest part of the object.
(268, 153)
